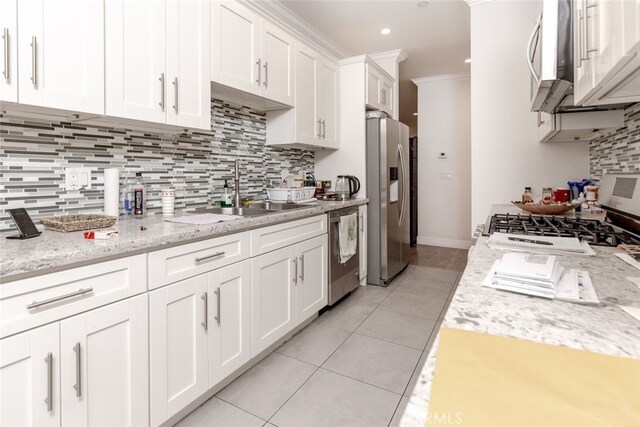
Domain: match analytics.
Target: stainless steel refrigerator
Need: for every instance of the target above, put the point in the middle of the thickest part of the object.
(388, 193)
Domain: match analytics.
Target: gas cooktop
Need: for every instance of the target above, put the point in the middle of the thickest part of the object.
(593, 231)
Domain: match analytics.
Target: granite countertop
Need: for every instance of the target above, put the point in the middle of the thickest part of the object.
(604, 329)
(54, 251)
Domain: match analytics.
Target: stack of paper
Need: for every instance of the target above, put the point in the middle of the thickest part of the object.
(542, 276)
(540, 244)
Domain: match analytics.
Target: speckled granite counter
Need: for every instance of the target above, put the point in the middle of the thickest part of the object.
(602, 329)
(53, 251)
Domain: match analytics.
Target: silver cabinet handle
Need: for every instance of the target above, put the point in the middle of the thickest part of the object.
(34, 61)
(205, 298)
(540, 121)
(259, 71)
(49, 399)
(361, 223)
(266, 74)
(161, 79)
(586, 8)
(302, 268)
(36, 304)
(5, 37)
(78, 385)
(175, 91)
(218, 315)
(324, 129)
(295, 272)
(209, 257)
(319, 128)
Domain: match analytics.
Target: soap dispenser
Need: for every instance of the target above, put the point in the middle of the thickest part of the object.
(226, 196)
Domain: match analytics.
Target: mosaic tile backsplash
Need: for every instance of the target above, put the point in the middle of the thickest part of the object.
(35, 153)
(620, 151)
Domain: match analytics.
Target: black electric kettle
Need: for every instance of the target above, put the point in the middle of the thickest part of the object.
(347, 186)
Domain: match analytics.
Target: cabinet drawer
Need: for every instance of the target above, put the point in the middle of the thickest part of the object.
(25, 304)
(181, 262)
(278, 236)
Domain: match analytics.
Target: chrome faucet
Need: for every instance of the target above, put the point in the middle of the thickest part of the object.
(237, 183)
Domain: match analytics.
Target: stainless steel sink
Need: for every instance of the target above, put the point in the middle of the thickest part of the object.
(236, 211)
(270, 206)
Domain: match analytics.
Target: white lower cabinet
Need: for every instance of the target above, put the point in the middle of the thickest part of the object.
(104, 365)
(272, 297)
(289, 285)
(230, 332)
(178, 346)
(90, 369)
(30, 378)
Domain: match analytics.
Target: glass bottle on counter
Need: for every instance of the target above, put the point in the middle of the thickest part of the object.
(139, 208)
(527, 197)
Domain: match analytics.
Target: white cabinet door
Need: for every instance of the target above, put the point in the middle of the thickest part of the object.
(61, 54)
(311, 284)
(235, 48)
(105, 362)
(188, 40)
(373, 82)
(308, 125)
(276, 52)
(583, 39)
(328, 103)
(546, 126)
(178, 346)
(386, 95)
(230, 322)
(362, 244)
(9, 48)
(272, 297)
(631, 24)
(30, 378)
(135, 59)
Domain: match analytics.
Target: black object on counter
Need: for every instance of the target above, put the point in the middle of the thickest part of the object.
(24, 223)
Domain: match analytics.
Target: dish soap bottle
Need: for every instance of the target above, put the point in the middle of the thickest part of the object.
(139, 208)
(226, 197)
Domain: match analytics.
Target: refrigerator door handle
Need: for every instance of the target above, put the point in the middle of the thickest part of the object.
(401, 179)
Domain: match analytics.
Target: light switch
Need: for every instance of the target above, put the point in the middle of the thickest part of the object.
(77, 178)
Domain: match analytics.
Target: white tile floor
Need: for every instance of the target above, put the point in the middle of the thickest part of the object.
(353, 366)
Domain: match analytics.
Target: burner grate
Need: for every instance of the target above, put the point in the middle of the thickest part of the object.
(590, 230)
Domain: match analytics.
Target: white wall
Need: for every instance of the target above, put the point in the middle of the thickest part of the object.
(505, 156)
(444, 125)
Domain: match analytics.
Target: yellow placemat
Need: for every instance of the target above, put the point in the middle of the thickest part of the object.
(487, 380)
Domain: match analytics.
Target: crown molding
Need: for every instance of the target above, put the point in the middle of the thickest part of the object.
(442, 77)
(476, 2)
(397, 55)
(277, 12)
(354, 60)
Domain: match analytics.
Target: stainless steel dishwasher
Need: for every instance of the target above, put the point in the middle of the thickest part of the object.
(343, 278)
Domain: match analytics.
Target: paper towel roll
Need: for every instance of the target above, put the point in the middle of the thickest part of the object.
(111, 192)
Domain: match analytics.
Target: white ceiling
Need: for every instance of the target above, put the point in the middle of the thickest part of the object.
(436, 37)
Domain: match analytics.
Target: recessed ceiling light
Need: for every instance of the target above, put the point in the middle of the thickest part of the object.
(385, 31)
(467, 61)
(422, 3)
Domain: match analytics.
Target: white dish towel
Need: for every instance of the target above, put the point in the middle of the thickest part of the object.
(348, 236)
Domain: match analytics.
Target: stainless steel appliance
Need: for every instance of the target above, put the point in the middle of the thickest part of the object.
(347, 186)
(619, 197)
(343, 278)
(388, 193)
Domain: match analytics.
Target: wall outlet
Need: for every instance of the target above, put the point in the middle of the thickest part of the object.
(77, 179)
(446, 175)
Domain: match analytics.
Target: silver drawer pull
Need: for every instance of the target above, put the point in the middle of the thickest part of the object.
(210, 257)
(36, 304)
(49, 399)
(78, 385)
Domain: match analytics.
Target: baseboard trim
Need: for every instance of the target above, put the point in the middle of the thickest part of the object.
(447, 243)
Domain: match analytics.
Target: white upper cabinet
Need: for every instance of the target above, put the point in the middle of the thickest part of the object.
(9, 48)
(188, 72)
(251, 54)
(327, 90)
(135, 59)
(606, 52)
(235, 48)
(61, 54)
(386, 95)
(308, 124)
(379, 89)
